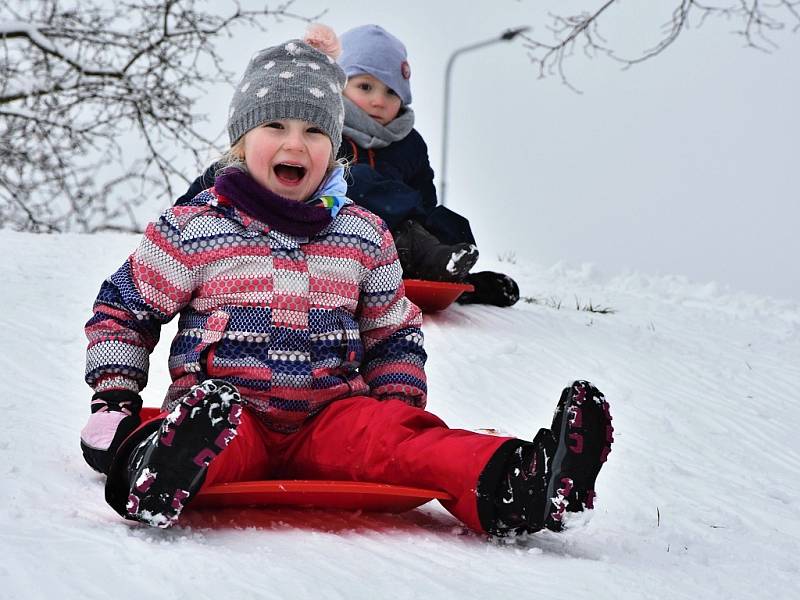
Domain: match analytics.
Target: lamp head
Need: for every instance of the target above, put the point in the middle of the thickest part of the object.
(510, 34)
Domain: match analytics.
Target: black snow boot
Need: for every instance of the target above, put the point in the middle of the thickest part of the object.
(512, 490)
(584, 434)
(492, 288)
(529, 486)
(154, 478)
(423, 256)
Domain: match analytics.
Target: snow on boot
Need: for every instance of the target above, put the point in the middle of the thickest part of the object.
(460, 259)
(583, 436)
(423, 256)
(492, 288)
(517, 502)
(168, 468)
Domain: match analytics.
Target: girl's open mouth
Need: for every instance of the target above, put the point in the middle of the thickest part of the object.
(289, 174)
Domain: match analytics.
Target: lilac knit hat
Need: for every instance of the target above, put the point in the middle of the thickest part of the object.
(371, 50)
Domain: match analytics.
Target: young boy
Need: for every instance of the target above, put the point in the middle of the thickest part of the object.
(391, 174)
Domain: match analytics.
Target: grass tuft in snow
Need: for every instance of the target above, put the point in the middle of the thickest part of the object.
(556, 303)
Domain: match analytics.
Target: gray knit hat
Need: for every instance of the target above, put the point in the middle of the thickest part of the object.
(371, 50)
(290, 81)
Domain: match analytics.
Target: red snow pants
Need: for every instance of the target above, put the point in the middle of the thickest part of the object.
(364, 439)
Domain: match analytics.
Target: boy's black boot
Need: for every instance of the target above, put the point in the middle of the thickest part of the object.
(492, 288)
(529, 486)
(423, 256)
(161, 473)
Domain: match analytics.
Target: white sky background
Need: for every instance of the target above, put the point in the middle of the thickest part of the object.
(685, 164)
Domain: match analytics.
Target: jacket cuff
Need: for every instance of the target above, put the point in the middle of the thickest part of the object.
(116, 383)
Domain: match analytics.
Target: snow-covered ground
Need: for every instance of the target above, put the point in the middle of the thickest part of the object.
(700, 497)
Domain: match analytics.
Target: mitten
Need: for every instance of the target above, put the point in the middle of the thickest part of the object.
(493, 288)
(115, 414)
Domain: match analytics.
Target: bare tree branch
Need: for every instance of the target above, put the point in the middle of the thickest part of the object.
(76, 82)
(759, 22)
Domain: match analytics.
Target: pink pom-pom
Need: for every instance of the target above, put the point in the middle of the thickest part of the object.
(324, 39)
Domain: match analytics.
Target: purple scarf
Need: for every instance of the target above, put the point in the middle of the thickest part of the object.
(287, 216)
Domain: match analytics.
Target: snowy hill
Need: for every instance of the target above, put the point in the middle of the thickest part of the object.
(700, 498)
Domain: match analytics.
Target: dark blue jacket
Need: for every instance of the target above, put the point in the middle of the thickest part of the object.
(395, 183)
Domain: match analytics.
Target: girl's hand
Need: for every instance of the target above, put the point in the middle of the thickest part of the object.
(115, 414)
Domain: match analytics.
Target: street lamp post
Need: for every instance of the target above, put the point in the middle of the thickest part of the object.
(506, 36)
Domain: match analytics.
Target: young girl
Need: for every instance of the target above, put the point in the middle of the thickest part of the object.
(297, 353)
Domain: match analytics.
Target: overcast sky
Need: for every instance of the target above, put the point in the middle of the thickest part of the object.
(686, 164)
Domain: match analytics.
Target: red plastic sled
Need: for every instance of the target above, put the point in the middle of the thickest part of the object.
(433, 296)
(344, 495)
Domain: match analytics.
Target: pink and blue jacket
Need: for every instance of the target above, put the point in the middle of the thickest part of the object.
(294, 322)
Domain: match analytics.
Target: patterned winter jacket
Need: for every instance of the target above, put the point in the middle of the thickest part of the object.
(293, 323)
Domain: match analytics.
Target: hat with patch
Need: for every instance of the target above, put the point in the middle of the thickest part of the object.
(371, 50)
(290, 81)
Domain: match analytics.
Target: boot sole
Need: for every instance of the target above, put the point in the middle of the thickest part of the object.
(462, 265)
(584, 434)
(173, 469)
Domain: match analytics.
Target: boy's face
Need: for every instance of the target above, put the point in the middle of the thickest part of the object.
(373, 97)
(288, 157)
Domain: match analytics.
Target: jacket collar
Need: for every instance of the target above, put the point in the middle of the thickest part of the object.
(259, 208)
